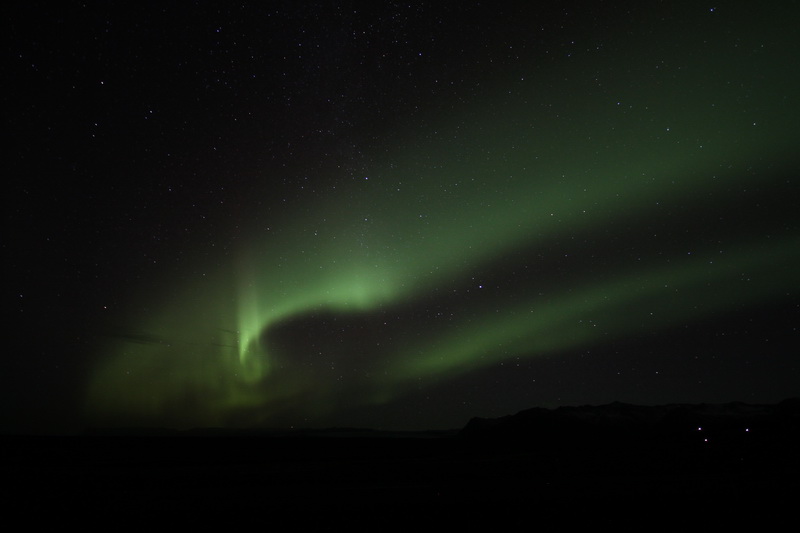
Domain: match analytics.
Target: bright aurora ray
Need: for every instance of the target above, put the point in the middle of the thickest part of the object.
(590, 202)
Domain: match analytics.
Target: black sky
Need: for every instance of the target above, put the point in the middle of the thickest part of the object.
(445, 154)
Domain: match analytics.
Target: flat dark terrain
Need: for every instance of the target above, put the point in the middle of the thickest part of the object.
(657, 468)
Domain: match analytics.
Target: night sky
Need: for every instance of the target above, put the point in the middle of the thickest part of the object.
(396, 215)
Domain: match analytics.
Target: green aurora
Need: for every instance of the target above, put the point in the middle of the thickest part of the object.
(595, 199)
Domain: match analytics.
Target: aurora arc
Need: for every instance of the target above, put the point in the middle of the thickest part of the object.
(490, 182)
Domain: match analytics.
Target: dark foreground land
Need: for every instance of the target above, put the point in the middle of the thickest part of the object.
(678, 467)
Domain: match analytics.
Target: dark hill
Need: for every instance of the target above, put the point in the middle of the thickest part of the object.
(654, 468)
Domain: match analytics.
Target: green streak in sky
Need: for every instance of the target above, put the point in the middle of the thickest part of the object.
(643, 301)
(579, 150)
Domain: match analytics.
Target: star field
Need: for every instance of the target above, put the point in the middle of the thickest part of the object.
(399, 216)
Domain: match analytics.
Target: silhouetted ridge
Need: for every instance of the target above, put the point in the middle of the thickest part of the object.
(615, 421)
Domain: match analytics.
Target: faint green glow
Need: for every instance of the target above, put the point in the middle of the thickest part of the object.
(562, 155)
(646, 300)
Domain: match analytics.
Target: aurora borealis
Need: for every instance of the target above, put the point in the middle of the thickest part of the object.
(402, 217)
